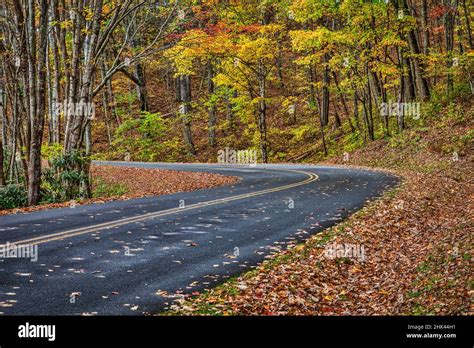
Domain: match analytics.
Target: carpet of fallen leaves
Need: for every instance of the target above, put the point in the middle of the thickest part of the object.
(418, 242)
(140, 182)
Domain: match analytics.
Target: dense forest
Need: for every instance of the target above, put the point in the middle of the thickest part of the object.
(179, 80)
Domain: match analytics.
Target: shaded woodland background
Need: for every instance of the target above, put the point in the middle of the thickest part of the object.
(298, 80)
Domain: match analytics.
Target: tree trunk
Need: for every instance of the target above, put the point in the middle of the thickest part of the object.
(13, 142)
(468, 23)
(449, 37)
(262, 113)
(368, 118)
(86, 184)
(325, 97)
(78, 123)
(338, 123)
(402, 92)
(2, 174)
(106, 107)
(54, 78)
(356, 112)
(3, 137)
(407, 87)
(3, 118)
(38, 101)
(185, 111)
(141, 87)
(385, 117)
(321, 128)
(212, 107)
(109, 93)
(425, 30)
(418, 66)
(75, 78)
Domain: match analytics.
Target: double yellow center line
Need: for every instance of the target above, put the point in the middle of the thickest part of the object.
(107, 225)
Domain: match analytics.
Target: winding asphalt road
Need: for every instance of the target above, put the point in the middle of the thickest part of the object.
(132, 257)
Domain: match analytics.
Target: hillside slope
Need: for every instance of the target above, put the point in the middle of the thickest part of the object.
(417, 239)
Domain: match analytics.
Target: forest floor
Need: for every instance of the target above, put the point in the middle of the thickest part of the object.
(417, 240)
(121, 183)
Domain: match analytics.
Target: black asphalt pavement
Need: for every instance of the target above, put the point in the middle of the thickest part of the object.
(120, 258)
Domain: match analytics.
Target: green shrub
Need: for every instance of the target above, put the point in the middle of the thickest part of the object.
(13, 196)
(353, 141)
(51, 151)
(66, 178)
(141, 137)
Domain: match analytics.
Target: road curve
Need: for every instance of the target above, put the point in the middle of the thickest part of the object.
(120, 258)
